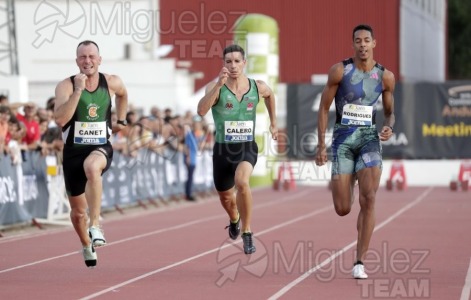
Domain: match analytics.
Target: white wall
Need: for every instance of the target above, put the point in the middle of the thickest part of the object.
(15, 87)
(48, 33)
(422, 40)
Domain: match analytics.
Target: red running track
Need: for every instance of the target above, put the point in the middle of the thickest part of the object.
(421, 249)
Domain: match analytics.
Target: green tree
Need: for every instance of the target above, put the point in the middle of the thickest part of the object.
(459, 35)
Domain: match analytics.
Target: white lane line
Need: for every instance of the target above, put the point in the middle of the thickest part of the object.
(132, 215)
(176, 264)
(467, 285)
(290, 197)
(298, 280)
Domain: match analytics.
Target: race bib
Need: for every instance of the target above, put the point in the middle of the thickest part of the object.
(238, 131)
(90, 133)
(357, 115)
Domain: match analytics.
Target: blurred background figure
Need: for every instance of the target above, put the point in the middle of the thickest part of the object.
(190, 155)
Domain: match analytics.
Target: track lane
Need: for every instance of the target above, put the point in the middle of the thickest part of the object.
(184, 251)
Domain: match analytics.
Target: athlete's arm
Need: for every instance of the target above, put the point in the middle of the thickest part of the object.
(67, 99)
(388, 105)
(328, 94)
(267, 94)
(212, 93)
(116, 86)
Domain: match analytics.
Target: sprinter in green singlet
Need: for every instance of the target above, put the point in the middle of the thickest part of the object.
(233, 101)
(356, 84)
(83, 110)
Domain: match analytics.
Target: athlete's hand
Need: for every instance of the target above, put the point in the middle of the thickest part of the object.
(386, 133)
(79, 81)
(321, 155)
(223, 75)
(274, 132)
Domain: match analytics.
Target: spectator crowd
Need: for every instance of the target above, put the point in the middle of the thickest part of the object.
(25, 126)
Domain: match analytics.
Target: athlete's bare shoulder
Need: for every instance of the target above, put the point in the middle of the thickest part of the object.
(115, 83)
(336, 73)
(388, 80)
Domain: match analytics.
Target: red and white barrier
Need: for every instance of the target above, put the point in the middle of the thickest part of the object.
(397, 176)
(463, 178)
(285, 177)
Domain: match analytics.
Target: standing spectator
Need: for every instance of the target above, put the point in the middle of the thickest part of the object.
(4, 118)
(167, 115)
(3, 100)
(155, 113)
(13, 142)
(189, 155)
(131, 117)
(51, 141)
(50, 111)
(32, 135)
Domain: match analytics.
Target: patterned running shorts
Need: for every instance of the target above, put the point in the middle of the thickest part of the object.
(355, 148)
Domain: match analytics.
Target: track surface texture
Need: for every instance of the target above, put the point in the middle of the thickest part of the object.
(421, 249)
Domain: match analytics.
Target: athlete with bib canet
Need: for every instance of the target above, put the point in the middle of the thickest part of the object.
(83, 110)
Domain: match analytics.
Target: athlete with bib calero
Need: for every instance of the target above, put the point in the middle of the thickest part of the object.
(233, 100)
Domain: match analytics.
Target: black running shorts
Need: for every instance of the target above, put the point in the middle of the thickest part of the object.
(74, 173)
(226, 158)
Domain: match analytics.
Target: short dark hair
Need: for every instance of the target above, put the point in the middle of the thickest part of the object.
(128, 116)
(5, 109)
(88, 42)
(362, 27)
(50, 103)
(233, 48)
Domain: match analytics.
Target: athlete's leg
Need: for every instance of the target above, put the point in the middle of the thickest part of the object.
(368, 180)
(78, 217)
(75, 182)
(244, 194)
(342, 193)
(343, 178)
(228, 202)
(223, 176)
(93, 166)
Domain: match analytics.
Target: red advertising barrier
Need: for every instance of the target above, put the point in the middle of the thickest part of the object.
(463, 178)
(285, 177)
(397, 176)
